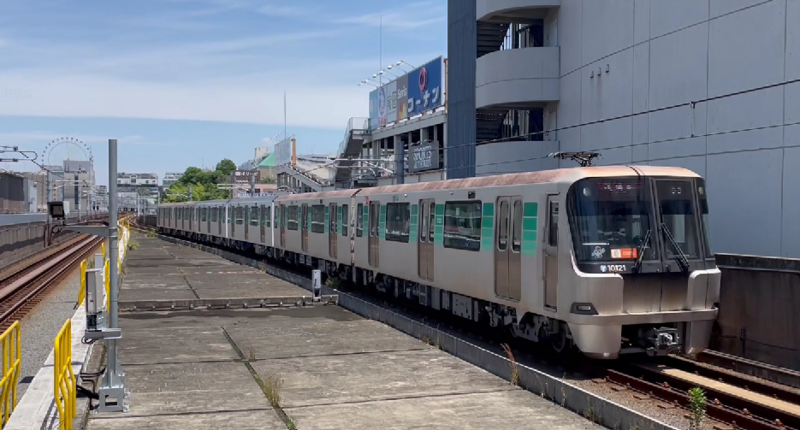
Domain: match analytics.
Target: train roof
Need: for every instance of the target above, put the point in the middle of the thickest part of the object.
(565, 175)
(320, 195)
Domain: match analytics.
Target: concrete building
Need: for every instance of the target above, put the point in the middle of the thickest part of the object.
(170, 178)
(700, 84)
(138, 188)
(77, 184)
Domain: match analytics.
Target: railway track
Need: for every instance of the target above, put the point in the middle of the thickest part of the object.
(734, 400)
(22, 289)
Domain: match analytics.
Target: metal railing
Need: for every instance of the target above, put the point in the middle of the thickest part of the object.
(65, 390)
(11, 367)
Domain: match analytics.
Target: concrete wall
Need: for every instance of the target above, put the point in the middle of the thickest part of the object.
(758, 319)
(514, 157)
(517, 76)
(652, 55)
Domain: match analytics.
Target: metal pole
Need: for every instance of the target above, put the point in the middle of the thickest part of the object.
(112, 225)
(113, 385)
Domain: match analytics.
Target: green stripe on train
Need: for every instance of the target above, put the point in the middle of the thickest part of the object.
(487, 227)
(438, 231)
(412, 233)
(382, 223)
(530, 224)
(339, 219)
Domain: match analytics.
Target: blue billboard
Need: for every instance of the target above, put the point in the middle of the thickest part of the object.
(417, 92)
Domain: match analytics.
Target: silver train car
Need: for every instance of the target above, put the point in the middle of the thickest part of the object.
(611, 260)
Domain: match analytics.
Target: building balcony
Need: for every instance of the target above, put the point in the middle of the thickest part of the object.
(518, 78)
(505, 11)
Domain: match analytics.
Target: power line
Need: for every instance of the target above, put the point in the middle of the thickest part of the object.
(691, 104)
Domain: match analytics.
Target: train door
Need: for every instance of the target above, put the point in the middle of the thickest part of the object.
(507, 251)
(551, 254)
(265, 218)
(501, 257)
(304, 231)
(248, 215)
(283, 226)
(207, 212)
(374, 238)
(191, 219)
(219, 215)
(234, 216)
(427, 214)
(332, 231)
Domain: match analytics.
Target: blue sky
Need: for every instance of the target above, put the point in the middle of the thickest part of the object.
(185, 82)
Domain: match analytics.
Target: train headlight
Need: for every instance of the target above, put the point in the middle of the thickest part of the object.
(587, 192)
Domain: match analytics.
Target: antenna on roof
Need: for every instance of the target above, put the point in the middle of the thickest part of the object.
(582, 158)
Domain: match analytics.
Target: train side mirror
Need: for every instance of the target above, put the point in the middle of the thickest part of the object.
(56, 210)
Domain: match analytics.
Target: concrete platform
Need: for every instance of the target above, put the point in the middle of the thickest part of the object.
(158, 270)
(208, 369)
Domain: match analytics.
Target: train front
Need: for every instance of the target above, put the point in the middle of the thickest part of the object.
(645, 276)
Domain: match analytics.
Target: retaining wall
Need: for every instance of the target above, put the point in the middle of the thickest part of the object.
(20, 241)
(759, 316)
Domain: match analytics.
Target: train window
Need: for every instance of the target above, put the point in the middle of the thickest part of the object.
(291, 222)
(268, 216)
(516, 227)
(462, 225)
(431, 222)
(552, 236)
(398, 218)
(239, 215)
(502, 227)
(360, 220)
(203, 217)
(254, 216)
(277, 216)
(318, 219)
(345, 219)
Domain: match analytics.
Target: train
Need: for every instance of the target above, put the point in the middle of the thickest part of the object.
(610, 260)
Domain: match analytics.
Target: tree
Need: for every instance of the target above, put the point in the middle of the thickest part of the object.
(226, 167)
(203, 183)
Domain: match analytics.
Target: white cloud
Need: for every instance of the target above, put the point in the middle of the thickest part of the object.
(242, 102)
(285, 11)
(406, 17)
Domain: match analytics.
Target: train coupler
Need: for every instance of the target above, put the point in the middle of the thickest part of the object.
(662, 341)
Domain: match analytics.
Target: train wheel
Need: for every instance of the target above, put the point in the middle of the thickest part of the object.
(559, 341)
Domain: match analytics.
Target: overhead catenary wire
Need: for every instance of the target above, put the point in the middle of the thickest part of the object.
(691, 104)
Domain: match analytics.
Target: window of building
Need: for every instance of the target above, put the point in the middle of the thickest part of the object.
(254, 216)
(292, 219)
(318, 219)
(398, 218)
(345, 220)
(462, 225)
(360, 220)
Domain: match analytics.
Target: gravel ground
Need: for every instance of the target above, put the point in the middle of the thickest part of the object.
(40, 327)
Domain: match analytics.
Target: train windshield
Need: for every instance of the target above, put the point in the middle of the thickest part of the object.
(678, 212)
(611, 220)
